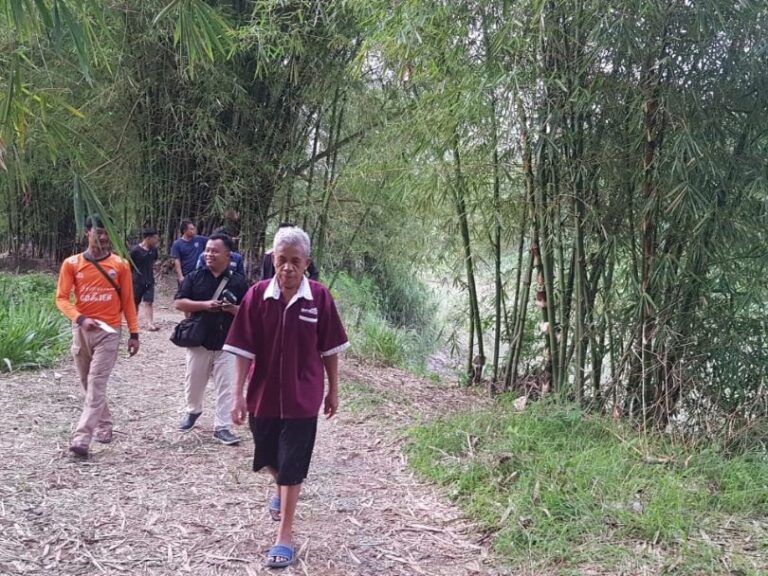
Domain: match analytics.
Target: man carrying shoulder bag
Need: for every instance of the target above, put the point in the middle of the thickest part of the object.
(100, 282)
(212, 296)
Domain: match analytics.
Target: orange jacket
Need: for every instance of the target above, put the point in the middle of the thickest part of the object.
(95, 297)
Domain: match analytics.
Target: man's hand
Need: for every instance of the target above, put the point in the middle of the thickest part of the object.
(331, 404)
(89, 324)
(229, 307)
(212, 306)
(239, 409)
(177, 269)
(133, 346)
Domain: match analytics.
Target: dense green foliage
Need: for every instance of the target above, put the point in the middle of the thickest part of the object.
(34, 333)
(589, 174)
(560, 488)
(363, 304)
(616, 153)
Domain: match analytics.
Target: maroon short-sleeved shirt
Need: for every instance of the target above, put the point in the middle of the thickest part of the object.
(287, 343)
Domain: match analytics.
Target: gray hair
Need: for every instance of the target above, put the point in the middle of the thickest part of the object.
(292, 236)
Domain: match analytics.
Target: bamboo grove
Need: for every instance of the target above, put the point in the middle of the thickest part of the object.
(591, 173)
(621, 147)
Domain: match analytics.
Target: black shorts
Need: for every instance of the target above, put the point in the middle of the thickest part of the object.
(143, 292)
(285, 445)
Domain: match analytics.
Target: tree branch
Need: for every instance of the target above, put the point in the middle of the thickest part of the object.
(328, 151)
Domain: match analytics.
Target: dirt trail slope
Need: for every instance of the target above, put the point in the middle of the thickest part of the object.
(160, 502)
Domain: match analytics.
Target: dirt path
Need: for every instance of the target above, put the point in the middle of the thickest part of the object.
(160, 502)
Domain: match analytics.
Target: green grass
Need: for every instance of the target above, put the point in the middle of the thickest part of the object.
(373, 337)
(380, 342)
(559, 488)
(34, 333)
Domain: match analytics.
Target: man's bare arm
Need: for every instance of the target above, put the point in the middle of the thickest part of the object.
(331, 364)
(239, 408)
(177, 268)
(187, 305)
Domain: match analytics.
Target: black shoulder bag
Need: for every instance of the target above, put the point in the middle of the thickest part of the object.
(190, 332)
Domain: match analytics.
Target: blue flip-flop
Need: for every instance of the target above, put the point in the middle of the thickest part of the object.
(280, 551)
(274, 508)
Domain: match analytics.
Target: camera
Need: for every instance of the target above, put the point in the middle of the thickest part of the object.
(228, 296)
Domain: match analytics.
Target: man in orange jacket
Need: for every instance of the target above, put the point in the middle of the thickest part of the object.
(103, 293)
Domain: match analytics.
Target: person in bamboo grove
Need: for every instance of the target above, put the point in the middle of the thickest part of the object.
(186, 249)
(103, 293)
(213, 295)
(268, 267)
(286, 336)
(235, 258)
(143, 256)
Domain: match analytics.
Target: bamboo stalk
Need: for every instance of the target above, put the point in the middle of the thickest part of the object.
(459, 191)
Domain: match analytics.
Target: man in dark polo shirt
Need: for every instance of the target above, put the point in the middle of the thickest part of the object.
(287, 337)
(186, 249)
(213, 293)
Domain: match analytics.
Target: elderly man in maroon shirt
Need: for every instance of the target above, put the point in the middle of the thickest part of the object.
(286, 335)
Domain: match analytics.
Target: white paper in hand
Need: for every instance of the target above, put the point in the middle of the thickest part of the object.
(104, 326)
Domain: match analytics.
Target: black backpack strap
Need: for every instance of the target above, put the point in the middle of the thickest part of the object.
(103, 273)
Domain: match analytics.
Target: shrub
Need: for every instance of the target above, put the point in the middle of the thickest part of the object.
(373, 337)
(405, 300)
(34, 331)
(380, 342)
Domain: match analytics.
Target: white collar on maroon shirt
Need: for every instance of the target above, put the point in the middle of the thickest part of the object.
(273, 291)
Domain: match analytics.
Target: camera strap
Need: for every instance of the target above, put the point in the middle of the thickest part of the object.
(222, 285)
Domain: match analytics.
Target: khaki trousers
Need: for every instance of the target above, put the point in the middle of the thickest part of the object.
(201, 365)
(95, 354)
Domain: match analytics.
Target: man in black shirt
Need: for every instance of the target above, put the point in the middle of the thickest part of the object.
(143, 257)
(214, 293)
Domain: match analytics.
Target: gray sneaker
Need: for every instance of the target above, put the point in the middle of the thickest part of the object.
(189, 421)
(225, 436)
